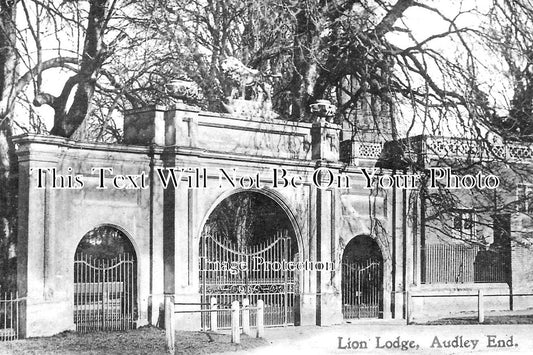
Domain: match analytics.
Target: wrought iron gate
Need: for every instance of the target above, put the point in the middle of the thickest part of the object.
(230, 272)
(104, 293)
(362, 292)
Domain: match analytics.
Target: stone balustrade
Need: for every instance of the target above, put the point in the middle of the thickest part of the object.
(462, 148)
(440, 148)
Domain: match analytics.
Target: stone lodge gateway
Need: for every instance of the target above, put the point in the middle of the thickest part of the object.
(353, 251)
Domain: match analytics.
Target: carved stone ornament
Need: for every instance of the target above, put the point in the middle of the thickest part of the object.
(183, 90)
(323, 110)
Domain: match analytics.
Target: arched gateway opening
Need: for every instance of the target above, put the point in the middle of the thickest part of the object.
(247, 248)
(362, 279)
(105, 281)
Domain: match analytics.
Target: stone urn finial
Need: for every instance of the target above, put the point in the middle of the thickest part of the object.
(323, 110)
(183, 90)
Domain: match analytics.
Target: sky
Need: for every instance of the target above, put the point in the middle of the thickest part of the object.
(424, 24)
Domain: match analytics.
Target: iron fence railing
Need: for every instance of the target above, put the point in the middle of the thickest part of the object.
(9, 316)
(445, 263)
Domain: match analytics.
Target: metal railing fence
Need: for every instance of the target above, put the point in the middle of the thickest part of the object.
(455, 263)
(9, 316)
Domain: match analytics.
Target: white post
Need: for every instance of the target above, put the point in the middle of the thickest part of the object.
(409, 310)
(214, 315)
(480, 307)
(235, 327)
(246, 316)
(260, 319)
(169, 323)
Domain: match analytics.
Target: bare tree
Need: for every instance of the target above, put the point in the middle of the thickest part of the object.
(509, 38)
(32, 41)
(18, 69)
(121, 54)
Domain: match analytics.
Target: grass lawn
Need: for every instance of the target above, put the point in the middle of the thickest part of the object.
(503, 319)
(146, 340)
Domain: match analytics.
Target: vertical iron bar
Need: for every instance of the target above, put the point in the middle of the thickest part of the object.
(125, 269)
(112, 293)
(203, 272)
(133, 293)
(129, 271)
(77, 311)
(3, 300)
(127, 286)
(129, 268)
(17, 318)
(285, 272)
(11, 312)
(358, 292)
(84, 289)
(76, 293)
(117, 293)
(91, 286)
(123, 294)
(87, 287)
(95, 323)
(88, 292)
(103, 266)
(103, 280)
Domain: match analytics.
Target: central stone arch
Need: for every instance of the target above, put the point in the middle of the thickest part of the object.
(247, 240)
(281, 202)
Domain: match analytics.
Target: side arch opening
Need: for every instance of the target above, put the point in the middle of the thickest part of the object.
(105, 281)
(362, 279)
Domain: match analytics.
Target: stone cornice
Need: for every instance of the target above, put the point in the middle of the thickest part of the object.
(45, 148)
(30, 138)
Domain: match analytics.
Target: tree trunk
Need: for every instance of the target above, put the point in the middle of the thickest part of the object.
(82, 85)
(306, 41)
(8, 208)
(8, 161)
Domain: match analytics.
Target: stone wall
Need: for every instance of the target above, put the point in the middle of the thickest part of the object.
(522, 259)
(165, 225)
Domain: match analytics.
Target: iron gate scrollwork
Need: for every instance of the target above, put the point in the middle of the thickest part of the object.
(229, 272)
